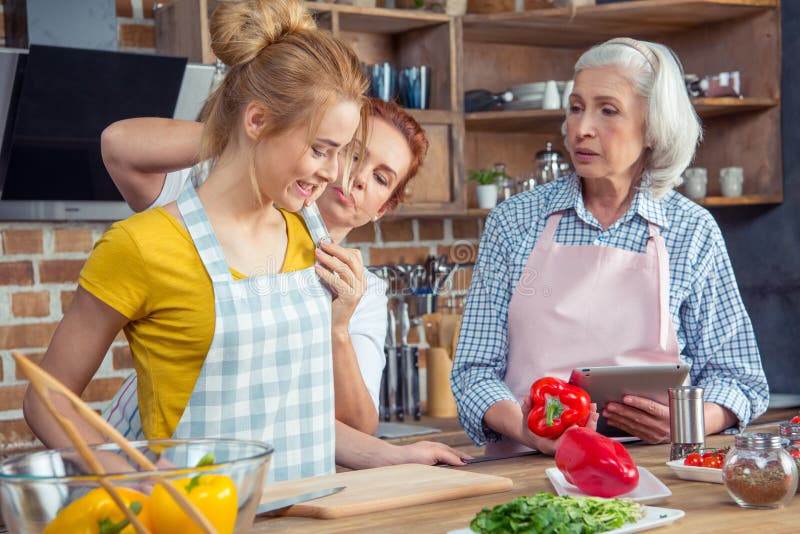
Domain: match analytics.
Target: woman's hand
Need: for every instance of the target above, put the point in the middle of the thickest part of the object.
(429, 453)
(546, 445)
(644, 418)
(343, 270)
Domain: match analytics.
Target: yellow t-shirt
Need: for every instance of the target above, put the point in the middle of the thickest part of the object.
(147, 268)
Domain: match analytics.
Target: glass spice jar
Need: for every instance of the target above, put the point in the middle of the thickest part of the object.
(790, 432)
(758, 472)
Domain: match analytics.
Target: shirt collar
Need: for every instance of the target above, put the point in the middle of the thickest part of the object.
(644, 205)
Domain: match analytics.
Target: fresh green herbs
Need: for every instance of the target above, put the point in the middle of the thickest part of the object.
(544, 513)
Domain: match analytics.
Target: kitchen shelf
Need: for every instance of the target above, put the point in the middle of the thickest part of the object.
(549, 120)
(708, 202)
(588, 25)
(338, 17)
(529, 120)
(748, 200)
(434, 116)
(715, 107)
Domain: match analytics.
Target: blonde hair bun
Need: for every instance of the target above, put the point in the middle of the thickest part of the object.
(241, 29)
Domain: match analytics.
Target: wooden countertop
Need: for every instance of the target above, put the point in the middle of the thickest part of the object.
(708, 507)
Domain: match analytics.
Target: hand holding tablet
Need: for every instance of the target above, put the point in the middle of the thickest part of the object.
(611, 384)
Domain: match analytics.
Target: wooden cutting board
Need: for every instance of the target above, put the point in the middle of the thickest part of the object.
(384, 488)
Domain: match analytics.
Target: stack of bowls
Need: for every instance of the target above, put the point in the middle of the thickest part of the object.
(529, 95)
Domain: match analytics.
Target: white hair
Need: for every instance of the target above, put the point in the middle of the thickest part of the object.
(672, 128)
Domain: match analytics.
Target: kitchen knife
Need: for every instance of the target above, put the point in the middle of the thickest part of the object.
(404, 401)
(415, 382)
(392, 372)
(296, 499)
(480, 459)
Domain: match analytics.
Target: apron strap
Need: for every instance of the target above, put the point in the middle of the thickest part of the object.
(663, 285)
(199, 227)
(550, 226)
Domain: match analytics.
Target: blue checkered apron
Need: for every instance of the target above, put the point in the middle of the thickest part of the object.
(268, 373)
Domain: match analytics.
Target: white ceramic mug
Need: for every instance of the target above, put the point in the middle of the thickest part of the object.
(695, 180)
(731, 180)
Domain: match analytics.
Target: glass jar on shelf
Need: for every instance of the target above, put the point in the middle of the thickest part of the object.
(758, 472)
(526, 182)
(548, 164)
(790, 433)
(506, 186)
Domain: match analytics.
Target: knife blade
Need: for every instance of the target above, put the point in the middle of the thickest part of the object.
(296, 499)
(480, 459)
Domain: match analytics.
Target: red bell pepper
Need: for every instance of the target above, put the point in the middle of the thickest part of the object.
(596, 464)
(555, 406)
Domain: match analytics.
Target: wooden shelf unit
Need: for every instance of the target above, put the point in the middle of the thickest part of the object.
(709, 36)
(545, 120)
(340, 17)
(496, 51)
(561, 27)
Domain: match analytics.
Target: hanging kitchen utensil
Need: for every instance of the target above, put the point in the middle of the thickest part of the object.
(405, 384)
(393, 375)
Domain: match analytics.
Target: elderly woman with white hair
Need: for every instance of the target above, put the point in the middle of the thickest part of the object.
(608, 266)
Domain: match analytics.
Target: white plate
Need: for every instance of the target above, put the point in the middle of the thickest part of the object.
(654, 517)
(650, 488)
(690, 472)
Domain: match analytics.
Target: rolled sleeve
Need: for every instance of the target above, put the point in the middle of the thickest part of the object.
(482, 352)
(720, 342)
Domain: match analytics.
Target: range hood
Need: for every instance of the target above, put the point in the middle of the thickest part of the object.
(55, 102)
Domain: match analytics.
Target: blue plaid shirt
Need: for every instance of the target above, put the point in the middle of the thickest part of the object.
(714, 332)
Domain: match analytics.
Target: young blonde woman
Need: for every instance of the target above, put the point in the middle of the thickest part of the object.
(228, 338)
(139, 153)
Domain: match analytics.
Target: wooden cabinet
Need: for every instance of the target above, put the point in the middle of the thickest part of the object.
(709, 36)
(407, 38)
(498, 50)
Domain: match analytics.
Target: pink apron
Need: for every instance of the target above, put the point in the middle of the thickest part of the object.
(576, 306)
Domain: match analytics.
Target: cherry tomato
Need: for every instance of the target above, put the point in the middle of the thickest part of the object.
(694, 460)
(795, 419)
(795, 453)
(713, 461)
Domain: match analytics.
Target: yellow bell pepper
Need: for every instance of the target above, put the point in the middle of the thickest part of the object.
(213, 495)
(97, 513)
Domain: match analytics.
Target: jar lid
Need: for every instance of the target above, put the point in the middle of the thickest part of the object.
(757, 440)
(549, 155)
(789, 430)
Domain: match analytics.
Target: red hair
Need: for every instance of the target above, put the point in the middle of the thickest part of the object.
(414, 135)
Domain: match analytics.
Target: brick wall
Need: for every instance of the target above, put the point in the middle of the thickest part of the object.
(39, 270)
(40, 262)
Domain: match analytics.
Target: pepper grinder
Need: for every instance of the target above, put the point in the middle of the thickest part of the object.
(687, 427)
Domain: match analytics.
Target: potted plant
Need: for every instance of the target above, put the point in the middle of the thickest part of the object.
(487, 187)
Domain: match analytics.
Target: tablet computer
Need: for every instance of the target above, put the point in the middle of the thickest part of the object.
(610, 384)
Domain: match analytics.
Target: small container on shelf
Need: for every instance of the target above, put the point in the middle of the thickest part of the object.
(548, 164)
(506, 186)
(758, 472)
